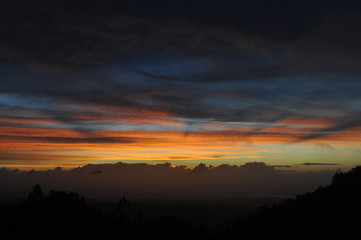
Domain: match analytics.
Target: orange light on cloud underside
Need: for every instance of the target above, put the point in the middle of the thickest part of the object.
(50, 142)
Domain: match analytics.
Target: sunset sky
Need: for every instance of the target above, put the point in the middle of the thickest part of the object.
(184, 82)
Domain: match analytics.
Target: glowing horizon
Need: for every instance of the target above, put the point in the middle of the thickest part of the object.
(150, 136)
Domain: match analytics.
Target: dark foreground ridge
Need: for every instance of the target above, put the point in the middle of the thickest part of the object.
(331, 212)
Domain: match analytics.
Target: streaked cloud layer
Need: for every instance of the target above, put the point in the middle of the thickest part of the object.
(199, 81)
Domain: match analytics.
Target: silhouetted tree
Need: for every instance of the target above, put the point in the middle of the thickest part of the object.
(122, 203)
(37, 194)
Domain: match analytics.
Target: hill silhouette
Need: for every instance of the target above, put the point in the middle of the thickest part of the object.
(330, 212)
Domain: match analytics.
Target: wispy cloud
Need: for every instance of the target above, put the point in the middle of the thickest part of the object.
(324, 146)
(318, 164)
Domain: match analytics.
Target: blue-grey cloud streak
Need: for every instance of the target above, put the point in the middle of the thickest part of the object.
(202, 61)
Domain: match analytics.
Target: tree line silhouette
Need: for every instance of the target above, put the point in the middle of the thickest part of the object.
(330, 212)
(66, 215)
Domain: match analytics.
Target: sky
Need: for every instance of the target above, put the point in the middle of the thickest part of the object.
(183, 82)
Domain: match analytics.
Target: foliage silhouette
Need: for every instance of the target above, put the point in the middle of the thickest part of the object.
(331, 212)
(63, 215)
(36, 195)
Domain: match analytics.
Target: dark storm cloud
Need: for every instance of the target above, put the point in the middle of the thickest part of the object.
(64, 33)
(72, 34)
(245, 39)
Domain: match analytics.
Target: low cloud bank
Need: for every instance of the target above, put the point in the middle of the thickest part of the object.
(109, 182)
